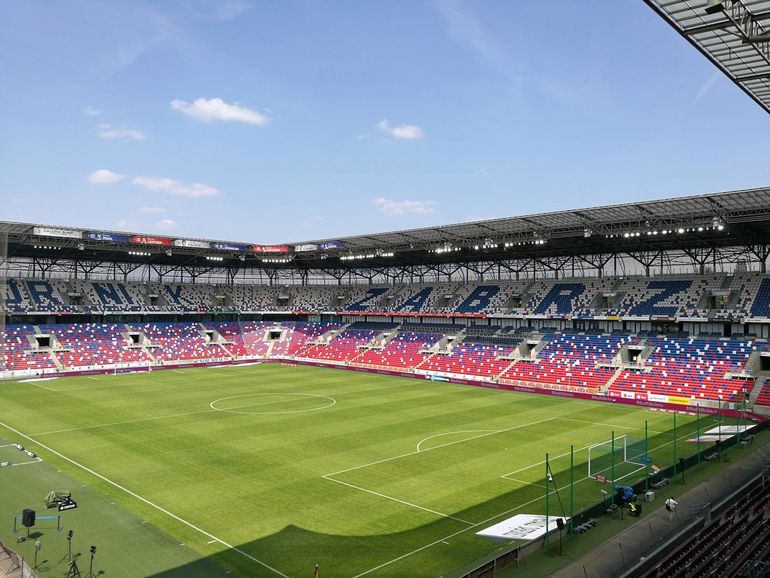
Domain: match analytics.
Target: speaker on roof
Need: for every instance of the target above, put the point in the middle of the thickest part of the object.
(714, 6)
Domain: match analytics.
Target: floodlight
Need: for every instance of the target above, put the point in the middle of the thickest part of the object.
(714, 6)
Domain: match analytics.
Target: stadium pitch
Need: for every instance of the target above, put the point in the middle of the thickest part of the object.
(268, 470)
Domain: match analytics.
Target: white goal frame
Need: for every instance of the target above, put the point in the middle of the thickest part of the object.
(621, 443)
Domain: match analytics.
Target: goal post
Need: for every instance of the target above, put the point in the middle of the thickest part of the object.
(616, 458)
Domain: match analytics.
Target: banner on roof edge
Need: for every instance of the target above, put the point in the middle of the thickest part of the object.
(305, 248)
(143, 240)
(191, 243)
(228, 247)
(331, 245)
(270, 248)
(97, 236)
(57, 232)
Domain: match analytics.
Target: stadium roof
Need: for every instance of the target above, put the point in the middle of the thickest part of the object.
(713, 220)
(733, 34)
(694, 211)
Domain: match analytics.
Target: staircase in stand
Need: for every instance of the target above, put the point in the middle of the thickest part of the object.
(55, 359)
(606, 387)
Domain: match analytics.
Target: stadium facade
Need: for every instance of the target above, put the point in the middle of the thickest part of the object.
(659, 302)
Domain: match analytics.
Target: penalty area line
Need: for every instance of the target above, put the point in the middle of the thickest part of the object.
(445, 539)
(146, 501)
(404, 502)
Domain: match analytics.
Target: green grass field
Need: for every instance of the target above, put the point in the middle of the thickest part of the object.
(267, 470)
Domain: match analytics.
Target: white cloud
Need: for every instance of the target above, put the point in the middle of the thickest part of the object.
(165, 224)
(393, 207)
(151, 27)
(91, 111)
(361, 136)
(219, 10)
(463, 27)
(123, 224)
(106, 131)
(402, 132)
(218, 109)
(164, 185)
(103, 177)
(150, 210)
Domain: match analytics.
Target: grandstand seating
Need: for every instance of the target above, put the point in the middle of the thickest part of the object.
(178, 341)
(18, 354)
(475, 359)
(569, 360)
(761, 304)
(692, 368)
(343, 347)
(724, 546)
(743, 295)
(764, 394)
(94, 344)
(403, 351)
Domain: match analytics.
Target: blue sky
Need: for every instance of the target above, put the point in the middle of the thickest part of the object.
(272, 122)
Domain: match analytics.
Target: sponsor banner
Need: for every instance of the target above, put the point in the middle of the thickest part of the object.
(228, 247)
(97, 236)
(678, 400)
(270, 248)
(408, 314)
(612, 318)
(143, 240)
(656, 397)
(57, 232)
(305, 248)
(331, 245)
(525, 527)
(628, 394)
(190, 243)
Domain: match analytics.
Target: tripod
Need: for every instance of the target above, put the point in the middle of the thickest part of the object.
(73, 571)
(68, 555)
(91, 565)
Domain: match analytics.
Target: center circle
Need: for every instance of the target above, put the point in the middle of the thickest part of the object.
(282, 401)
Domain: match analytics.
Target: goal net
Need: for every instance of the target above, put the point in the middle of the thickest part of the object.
(616, 459)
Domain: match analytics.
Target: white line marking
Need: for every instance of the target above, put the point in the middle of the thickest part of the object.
(541, 462)
(42, 386)
(483, 522)
(456, 432)
(146, 501)
(211, 542)
(212, 405)
(525, 483)
(38, 460)
(610, 425)
(397, 500)
(43, 433)
(445, 538)
(390, 459)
